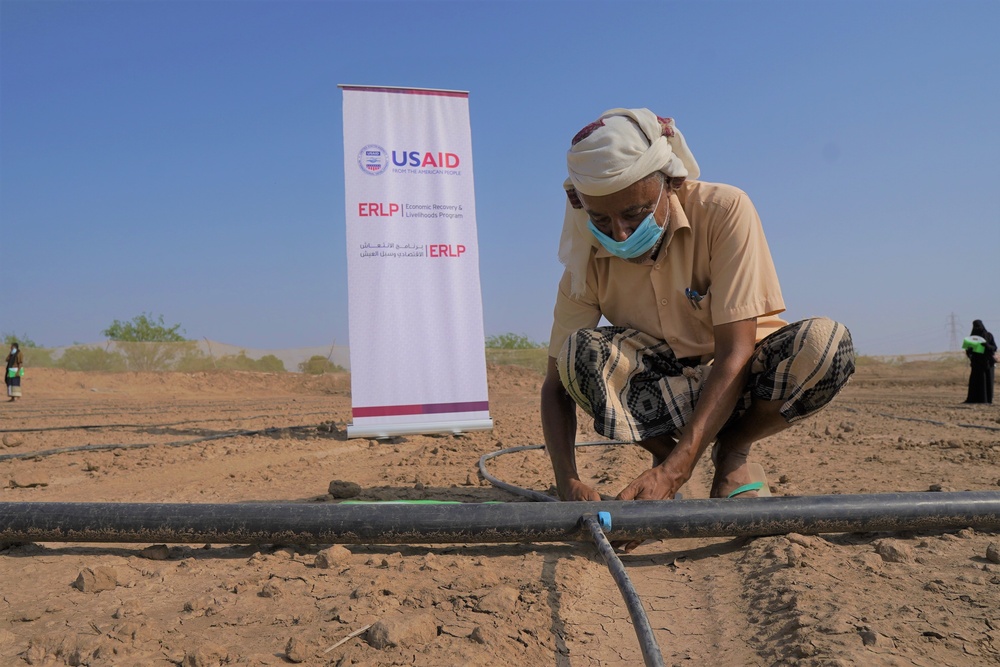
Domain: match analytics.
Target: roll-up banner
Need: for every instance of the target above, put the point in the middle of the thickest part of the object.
(417, 348)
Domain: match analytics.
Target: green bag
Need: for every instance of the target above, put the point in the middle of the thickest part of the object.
(975, 343)
(12, 372)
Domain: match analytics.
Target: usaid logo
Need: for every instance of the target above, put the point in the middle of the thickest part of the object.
(373, 159)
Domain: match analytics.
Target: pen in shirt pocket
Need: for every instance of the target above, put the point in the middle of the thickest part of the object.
(694, 298)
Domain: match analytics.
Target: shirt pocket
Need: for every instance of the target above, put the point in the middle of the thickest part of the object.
(701, 315)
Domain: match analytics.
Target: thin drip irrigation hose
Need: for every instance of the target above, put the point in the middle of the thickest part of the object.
(923, 420)
(94, 427)
(145, 445)
(528, 493)
(651, 653)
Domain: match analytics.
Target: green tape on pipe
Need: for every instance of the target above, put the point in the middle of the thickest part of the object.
(415, 502)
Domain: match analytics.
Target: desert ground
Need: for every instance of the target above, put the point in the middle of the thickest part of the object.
(927, 598)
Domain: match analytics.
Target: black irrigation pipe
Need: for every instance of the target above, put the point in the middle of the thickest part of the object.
(493, 523)
(144, 445)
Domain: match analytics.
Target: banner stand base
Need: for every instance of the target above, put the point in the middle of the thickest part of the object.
(421, 428)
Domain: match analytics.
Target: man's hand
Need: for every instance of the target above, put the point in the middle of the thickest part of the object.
(577, 490)
(659, 483)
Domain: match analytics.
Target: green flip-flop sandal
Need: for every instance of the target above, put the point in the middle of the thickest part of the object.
(759, 483)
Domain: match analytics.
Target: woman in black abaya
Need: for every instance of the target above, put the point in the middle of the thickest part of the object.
(983, 366)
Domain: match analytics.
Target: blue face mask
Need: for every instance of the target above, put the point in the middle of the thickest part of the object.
(640, 241)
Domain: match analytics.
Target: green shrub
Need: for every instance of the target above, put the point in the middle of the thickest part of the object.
(156, 356)
(536, 359)
(512, 349)
(241, 362)
(511, 341)
(194, 360)
(39, 357)
(318, 365)
(272, 364)
(90, 359)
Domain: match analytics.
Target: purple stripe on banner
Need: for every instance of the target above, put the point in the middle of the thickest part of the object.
(428, 409)
(472, 406)
(409, 91)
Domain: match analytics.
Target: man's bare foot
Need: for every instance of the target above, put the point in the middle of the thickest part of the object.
(731, 472)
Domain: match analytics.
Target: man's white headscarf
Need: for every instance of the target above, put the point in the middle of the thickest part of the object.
(622, 147)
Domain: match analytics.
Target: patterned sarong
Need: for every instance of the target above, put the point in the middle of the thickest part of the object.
(635, 388)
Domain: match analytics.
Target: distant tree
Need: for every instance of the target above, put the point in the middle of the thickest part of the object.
(21, 340)
(318, 364)
(143, 329)
(149, 344)
(511, 341)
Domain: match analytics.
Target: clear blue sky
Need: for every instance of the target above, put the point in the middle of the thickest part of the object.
(186, 158)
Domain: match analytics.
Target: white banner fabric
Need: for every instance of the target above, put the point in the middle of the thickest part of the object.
(418, 363)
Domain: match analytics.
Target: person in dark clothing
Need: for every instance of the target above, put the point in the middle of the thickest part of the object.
(14, 372)
(983, 366)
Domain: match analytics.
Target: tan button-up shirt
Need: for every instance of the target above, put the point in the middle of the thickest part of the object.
(716, 247)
